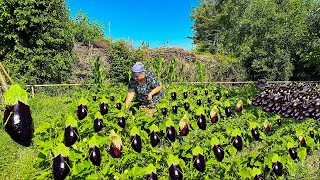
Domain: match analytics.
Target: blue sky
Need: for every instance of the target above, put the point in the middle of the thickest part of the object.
(153, 21)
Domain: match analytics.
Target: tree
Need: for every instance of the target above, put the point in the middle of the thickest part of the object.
(85, 30)
(36, 40)
(123, 56)
(271, 38)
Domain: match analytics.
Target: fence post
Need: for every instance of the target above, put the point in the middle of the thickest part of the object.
(32, 90)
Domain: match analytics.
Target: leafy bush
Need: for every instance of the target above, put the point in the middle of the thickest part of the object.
(276, 40)
(36, 40)
(123, 56)
(85, 30)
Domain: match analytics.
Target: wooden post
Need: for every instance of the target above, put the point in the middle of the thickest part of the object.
(32, 90)
(3, 83)
(6, 73)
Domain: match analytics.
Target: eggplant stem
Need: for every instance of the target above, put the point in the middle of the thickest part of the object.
(5, 123)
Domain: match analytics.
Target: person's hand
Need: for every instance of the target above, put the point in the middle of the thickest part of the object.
(149, 97)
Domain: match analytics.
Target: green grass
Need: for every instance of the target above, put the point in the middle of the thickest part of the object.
(17, 161)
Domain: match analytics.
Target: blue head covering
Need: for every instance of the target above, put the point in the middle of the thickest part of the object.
(137, 69)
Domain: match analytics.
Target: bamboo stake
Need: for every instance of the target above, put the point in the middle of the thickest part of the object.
(3, 83)
(6, 73)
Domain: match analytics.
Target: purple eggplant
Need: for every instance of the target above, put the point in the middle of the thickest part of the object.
(202, 124)
(82, 111)
(277, 168)
(18, 123)
(164, 111)
(218, 152)
(98, 125)
(185, 95)
(174, 96)
(171, 133)
(122, 122)
(60, 167)
(175, 109)
(175, 172)
(237, 142)
(199, 162)
(293, 153)
(199, 102)
(95, 155)
(255, 133)
(184, 131)
(214, 119)
(103, 108)
(114, 151)
(186, 106)
(136, 143)
(154, 138)
(70, 135)
(118, 106)
(227, 111)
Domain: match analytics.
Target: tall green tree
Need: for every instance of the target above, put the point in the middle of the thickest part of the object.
(85, 30)
(123, 55)
(36, 40)
(271, 38)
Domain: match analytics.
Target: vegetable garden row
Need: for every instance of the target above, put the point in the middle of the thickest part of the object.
(197, 132)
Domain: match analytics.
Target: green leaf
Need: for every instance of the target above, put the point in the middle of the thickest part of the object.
(104, 100)
(268, 160)
(310, 142)
(71, 121)
(255, 171)
(236, 132)
(174, 103)
(154, 128)
(150, 169)
(98, 116)
(299, 132)
(200, 111)
(283, 159)
(93, 141)
(83, 101)
(244, 173)
(134, 131)
(92, 176)
(121, 114)
(61, 149)
(232, 150)
(173, 160)
(214, 141)
(197, 150)
(291, 144)
(15, 94)
(253, 125)
(276, 158)
(229, 130)
(227, 104)
(169, 123)
(302, 153)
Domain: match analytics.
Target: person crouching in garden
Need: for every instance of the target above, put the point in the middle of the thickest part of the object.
(145, 85)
